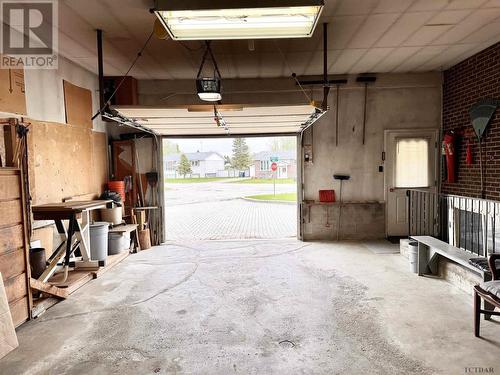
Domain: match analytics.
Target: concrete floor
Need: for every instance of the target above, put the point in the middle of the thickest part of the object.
(258, 307)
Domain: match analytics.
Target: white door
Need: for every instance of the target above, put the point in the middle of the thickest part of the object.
(411, 162)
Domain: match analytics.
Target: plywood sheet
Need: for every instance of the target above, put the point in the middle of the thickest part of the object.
(99, 161)
(60, 162)
(78, 104)
(12, 93)
(8, 337)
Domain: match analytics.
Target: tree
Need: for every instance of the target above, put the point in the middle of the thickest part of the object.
(241, 159)
(184, 166)
(228, 163)
(170, 147)
(282, 144)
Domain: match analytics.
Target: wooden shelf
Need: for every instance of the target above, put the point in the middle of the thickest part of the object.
(76, 279)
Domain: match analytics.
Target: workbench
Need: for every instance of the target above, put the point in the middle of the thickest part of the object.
(76, 235)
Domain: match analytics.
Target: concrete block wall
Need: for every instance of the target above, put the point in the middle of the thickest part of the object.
(464, 84)
(358, 221)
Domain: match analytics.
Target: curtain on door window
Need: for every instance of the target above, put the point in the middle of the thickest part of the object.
(412, 162)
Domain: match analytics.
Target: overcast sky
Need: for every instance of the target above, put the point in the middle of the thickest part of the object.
(221, 145)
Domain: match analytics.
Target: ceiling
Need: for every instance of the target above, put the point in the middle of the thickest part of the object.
(239, 119)
(364, 36)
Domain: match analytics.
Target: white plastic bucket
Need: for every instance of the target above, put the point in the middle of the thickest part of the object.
(117, 242)
(99, 240)
(413, 256)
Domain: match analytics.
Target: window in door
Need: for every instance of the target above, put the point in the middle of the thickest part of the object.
(412, 162)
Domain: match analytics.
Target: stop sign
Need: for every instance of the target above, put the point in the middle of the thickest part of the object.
(274, 166)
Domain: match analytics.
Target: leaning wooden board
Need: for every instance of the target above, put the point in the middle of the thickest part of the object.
(14, 265)
(8, 338)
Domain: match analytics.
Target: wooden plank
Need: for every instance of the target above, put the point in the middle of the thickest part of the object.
(70, 206)
(126, 228)
(99, 161)
(48, 288)
(11, 213)
(19, 311)
(12, 264)
(11, 238)
(8, 338)
(9, 186)
(78, 104)
(15, 287)
(111, 261)
(75, 280)
(12, 91)
(42, 304)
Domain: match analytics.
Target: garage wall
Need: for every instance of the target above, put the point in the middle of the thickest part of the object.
(45, 95)
(395, 101)
(65, 159)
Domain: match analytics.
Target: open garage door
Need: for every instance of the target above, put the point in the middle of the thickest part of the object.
(224, 119)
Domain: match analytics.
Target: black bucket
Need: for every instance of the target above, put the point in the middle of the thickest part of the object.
(38, 262)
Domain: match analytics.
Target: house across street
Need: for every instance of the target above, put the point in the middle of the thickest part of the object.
(203, 164)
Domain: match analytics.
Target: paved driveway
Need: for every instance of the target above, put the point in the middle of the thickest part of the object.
(216, 210)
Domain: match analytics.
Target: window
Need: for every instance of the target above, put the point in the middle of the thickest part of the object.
(264, 165)
(412, 162)
(195, 163)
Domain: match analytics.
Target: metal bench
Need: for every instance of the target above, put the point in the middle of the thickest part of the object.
(428, 250)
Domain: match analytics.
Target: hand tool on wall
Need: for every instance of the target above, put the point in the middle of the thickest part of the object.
(138, 176)
(341, 178)
(480, 115)
(337, 83)
(326, 84)
(365, 80)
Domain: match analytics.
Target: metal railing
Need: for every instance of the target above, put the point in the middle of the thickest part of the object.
(471, 224)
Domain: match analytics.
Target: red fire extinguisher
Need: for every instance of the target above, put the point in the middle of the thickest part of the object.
(468, 154)
(449, 147)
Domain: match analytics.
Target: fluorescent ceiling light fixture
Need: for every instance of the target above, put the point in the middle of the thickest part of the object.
(238, 19)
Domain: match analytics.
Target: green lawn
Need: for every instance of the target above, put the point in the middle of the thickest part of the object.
(264, 181)
(194, 180)
(290, 197)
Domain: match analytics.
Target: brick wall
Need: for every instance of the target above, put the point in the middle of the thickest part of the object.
(464, 84)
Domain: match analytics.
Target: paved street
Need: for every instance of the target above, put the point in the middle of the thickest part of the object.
(216, 210)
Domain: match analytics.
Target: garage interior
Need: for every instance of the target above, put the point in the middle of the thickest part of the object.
(394, 104)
